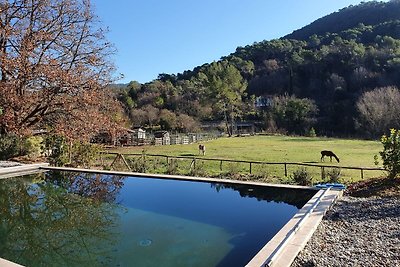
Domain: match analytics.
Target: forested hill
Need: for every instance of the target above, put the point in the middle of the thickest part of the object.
(320, 77)
(369, 13)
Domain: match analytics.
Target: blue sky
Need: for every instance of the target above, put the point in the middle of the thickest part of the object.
(159, 36)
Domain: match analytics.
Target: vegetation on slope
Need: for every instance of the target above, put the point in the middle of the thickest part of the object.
(329, 65)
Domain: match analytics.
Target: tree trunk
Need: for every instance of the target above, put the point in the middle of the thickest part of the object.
(228, 129)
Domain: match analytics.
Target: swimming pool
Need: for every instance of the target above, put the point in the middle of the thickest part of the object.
(89, 219)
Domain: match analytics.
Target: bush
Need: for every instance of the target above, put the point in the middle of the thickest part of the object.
(302, 177)
(56, 149)
(333, 175)
(33, 146)
(77, 154)
(10, 146)
(172, 167)
(311, 132)
(84, 154)
(136, 164)
(198, 170)
(391, 153)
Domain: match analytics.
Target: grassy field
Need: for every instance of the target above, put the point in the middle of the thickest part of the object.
(354, 153)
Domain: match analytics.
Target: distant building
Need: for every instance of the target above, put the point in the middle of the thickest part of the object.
(162, 138)
(139, 133)
(264, 101)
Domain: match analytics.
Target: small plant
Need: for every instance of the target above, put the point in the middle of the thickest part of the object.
(172, 166)
(302, 177)
(391, 153)
(233, 170)
(333, 175)
(198, 170)
(136, 164)
(312, 133)
(263, 173)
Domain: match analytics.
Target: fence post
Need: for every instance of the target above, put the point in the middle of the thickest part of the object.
(362, 174)
(220, 166)
(323, 173)
(102, 160)
(144, 162)
(285, 170)
(124, 161)
(250, 167)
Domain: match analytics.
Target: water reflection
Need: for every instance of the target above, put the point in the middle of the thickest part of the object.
(100, 187)
(44, 224)
(294, 197)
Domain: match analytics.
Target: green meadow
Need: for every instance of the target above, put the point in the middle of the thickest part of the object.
(352, 153)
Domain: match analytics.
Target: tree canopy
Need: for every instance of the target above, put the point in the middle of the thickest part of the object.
(54, 62)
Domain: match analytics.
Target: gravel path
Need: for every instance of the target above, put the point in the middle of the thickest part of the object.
(356, 232)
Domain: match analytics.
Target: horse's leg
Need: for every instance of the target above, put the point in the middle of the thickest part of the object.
(322, 158)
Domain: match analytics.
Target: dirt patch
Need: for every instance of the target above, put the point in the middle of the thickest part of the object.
(380, 187)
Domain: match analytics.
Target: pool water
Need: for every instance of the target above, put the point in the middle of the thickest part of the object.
(82, 219)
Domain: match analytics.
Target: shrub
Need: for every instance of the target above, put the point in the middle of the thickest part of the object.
(333, 175)
(391, 153)
(56, 149)
(59, 152)
(33, 146)
(198, 169)
(302, 177)
(10, 146)
(136, 164)
(263, 173)
(233, 170)
(311, 132)
(84, 154)
(172, 167)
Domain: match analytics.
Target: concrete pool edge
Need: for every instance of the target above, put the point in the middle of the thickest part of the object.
(283, 248)
(21, 169)
(6, 263)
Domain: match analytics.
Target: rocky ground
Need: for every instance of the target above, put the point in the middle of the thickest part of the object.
(358, 231)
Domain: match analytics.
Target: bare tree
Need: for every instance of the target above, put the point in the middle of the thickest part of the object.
(379, 110)
(54, 62)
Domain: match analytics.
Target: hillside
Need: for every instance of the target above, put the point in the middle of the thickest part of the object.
(313, 77)
(369, 13)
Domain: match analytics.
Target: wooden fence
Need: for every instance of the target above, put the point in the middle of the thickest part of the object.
(250, 164)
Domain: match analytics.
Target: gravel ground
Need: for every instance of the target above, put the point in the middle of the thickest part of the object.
(4, 164)
(356, 232)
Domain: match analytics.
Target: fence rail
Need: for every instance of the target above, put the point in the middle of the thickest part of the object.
(251, 164)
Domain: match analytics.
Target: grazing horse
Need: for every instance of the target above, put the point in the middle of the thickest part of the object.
(328, 154)
(202, 149)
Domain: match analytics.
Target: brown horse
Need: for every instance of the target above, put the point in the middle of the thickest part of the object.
(202, 149)
(327, 153)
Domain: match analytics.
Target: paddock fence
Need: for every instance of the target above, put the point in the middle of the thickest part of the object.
(237, 169)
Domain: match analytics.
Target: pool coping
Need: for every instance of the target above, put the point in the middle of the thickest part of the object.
(21, 169)
(281, 250)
